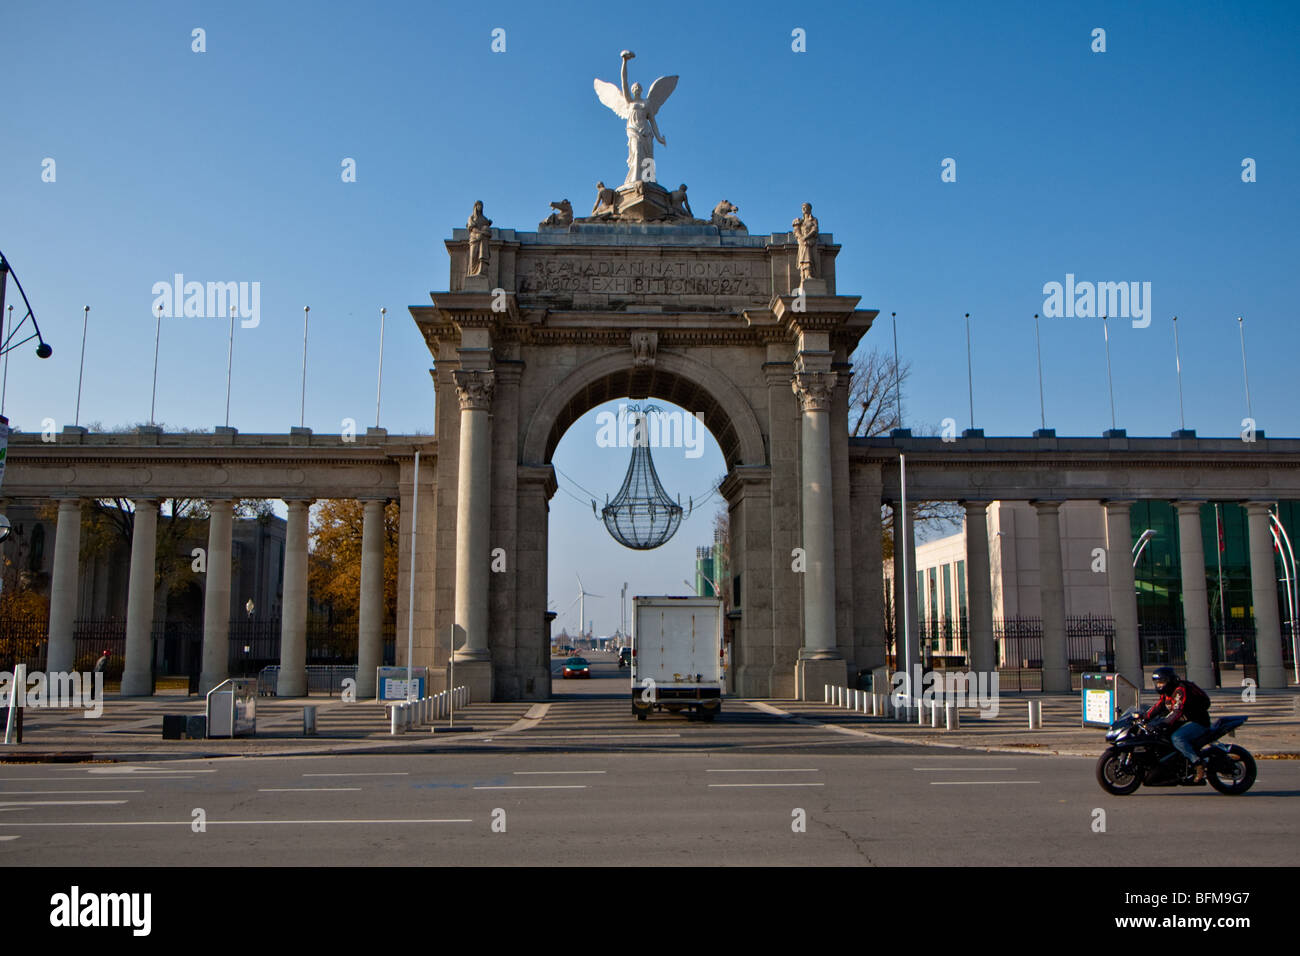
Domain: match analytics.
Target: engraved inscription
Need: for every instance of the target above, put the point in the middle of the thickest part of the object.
(686, 276)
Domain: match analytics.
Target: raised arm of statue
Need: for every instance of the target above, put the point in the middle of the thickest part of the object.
(627, 55)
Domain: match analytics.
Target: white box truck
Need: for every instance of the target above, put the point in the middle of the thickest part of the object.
(677, 656)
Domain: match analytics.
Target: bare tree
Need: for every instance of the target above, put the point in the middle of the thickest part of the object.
(875, 394)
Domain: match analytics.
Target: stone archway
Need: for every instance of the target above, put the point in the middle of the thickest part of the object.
(705, 316)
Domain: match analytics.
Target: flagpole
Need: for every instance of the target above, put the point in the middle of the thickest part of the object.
(970, 381)
(230, 361)
(898, 382)
(379, 389)
(1042, 406)
(85, 321)
(1110, 381)
(1244, 373)
(302, 408)
(157, 337)
(1178, 366)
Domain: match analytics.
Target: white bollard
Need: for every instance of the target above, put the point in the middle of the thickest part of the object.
(393, 715)
(865, 701)
(1035, 715)
(934, 713)
(826, 693)
(853, 699)
(952, 720)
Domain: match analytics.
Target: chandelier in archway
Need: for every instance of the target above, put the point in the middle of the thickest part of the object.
(642, 516)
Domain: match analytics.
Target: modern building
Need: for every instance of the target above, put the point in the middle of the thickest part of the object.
(942, 585)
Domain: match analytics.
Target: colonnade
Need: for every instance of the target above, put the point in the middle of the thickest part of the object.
(1120, 583)
(136, 676)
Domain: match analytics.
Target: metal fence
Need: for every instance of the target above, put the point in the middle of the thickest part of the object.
(321, 678)
(178, 645)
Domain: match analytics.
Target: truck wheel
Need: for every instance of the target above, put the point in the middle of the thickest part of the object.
(708, 715)
(640, 715)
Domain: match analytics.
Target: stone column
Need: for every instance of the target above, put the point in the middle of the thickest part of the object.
(370, 614)
(63, 587)
(1196, 599)
(768, 664)
(216, 597)
(293, 619)
(1056, 664)
(979, 588)
(907, 642)
(473, 525)
(137, 678)
(820, 661)
(1123, 594)
(1263, 587)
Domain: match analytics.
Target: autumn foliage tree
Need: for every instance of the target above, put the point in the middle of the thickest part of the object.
(334, 561)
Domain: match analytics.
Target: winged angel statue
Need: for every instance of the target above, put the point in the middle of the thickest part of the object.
(642, 130)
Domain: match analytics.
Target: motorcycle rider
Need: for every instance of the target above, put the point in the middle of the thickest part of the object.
(1185, 711)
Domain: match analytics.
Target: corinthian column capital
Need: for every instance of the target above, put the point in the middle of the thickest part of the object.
(814, 389)
(474, 388)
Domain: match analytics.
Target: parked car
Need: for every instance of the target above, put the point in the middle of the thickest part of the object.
(577, 667)
(624, 656)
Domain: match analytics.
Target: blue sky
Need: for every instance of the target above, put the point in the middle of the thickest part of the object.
(225, 166)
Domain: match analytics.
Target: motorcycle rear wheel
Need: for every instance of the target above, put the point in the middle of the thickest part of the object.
(1243, 774)
(1114, 777)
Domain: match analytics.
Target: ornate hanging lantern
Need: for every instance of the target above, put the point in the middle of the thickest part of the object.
(642, 516)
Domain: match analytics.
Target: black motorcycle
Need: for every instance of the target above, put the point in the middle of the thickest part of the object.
(1134, 758)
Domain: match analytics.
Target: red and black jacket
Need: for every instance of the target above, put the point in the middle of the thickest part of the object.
(1183, 701)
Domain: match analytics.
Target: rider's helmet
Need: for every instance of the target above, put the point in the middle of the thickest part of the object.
(1164, 679)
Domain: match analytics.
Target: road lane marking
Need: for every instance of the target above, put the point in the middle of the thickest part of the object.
(304, 789)
(731, 785)
(398, 773)
(547, 773)
(960, 769)
(556, 786)
(57, 803)
(978, 783)
(147, 771)
(129, 776)
(33, 793)
(593, 736)
(5, 838)
(793, 770)
(229, 823)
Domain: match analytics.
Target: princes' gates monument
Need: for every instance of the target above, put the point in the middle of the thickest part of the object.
(643, 299)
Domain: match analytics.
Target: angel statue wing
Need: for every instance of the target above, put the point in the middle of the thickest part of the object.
(612, 97)
(660, 90)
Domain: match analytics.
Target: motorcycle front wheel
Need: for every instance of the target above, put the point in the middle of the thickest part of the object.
(1242, 775)
(1115, 776)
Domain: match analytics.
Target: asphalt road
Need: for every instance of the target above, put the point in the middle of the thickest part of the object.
(588, 784)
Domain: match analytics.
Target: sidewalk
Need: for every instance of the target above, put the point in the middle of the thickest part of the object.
(131, 728)
(1273, 729)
